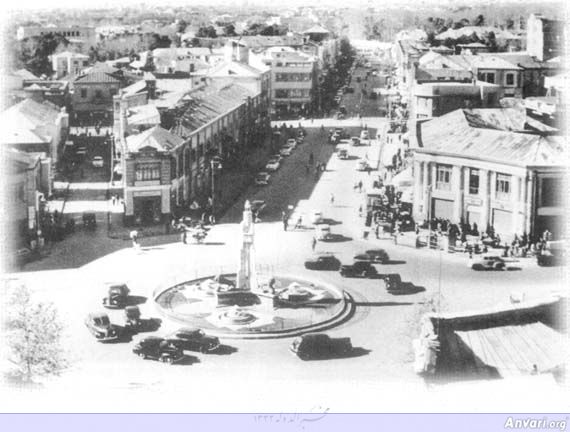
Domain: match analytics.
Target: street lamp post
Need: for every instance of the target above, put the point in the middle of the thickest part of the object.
(215, 164)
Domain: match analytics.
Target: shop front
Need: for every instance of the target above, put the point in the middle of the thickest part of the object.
(147, 207)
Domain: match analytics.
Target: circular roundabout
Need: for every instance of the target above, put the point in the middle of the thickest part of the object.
(281, 306)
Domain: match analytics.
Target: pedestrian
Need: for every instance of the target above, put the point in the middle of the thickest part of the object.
(311, 158)
(114, 199)
(184, 236)
(307, 169)
(360, 186)
(212, 219)
(377, 231)
(285, 222)
(332, 199)
(314, 244)
(299, 223)
(134, 237)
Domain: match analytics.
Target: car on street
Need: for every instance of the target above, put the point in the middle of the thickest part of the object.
(373, 255)
(323, 232)
(323, 261)
(362, 165)
(157, 348)
(316, 217)
(97, 162)
(100, 326)
(339, 116)
(291, 142)
(194, 339)
(272, 164)
(364, 135)
(488, 262)
(342, 153)
(358, 269)
(286, 151)
(320, 346)
(355, 141)
(117, 297)
(262, 178)
(277, 157)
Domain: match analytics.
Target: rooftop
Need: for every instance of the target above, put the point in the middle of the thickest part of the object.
(155, 138)
(28, 122)
(496, 135)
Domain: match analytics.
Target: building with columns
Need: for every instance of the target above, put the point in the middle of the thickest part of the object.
(492, 167)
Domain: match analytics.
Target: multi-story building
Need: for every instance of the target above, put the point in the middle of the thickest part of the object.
(26, 183)
(483, 166)
(293, 80)
(68, 63)
(546, 38)
(169, 167)
(82, 37)
(35, 127)
(435, 99)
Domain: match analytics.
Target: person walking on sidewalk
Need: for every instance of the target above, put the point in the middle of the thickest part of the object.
(332, 199)
(184, 236)
(314, 244)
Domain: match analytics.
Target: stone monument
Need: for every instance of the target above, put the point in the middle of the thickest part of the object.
(246, 279)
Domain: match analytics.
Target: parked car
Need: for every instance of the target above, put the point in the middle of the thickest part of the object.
(323, 232)
(355, 141)
(89, 220)
(277, 156)
(373, 255)
(323, 261)
(364, 135)
(194, 339)
(342, 153)
(100, 326)
(488, 262)
(291, 142)
(262, 178)
(117, 297)
(393, 283)
(320, 346)
(97, 162)
(157, 348)
(316, 217)
(358, 269)
(362, 165)
(286, 151)
(132, 317)
(272, 164)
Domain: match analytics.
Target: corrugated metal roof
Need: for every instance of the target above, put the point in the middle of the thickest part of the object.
(97, 77)
(202, 106)
(485, 135)
(28, 122)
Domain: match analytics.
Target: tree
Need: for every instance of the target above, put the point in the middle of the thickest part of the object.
(158, 41)
(230, 30)
(34, 55)
(268, 31)
(181, 26)
(479, 21)
(34, 336)
(207, 32)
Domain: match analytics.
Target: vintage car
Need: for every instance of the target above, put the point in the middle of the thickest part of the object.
(291, 142)
(97, 162)
(358, 269)
(323, 232)
(393, 283)
(132, 317)
(342, 153)
(194, 339)
(100, 326)
(355, 141)
(157, 348)
(488, 262)
(323, 261)
(89, 220)
(362, 165)
(117, 297)
(262, 178)
(272, 164)
(364, 135)
(373, 255)
(320, 346)
(286, 151)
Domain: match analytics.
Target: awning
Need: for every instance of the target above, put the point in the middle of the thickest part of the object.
(403, 179)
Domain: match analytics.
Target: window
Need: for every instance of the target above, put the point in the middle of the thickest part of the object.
(443, 177)
(147, 171)
(83, 93)
(503, 186)
(473, 181)
(510, 79)
(487, 77)
(279, 93)
(98, 94)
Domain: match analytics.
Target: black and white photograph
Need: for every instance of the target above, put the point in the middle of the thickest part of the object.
(242, 206)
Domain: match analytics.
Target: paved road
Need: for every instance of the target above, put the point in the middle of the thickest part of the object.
(263, 375)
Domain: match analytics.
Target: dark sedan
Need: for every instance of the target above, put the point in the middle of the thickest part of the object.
(323, 262)
(194, 339)
(358, 269)
(373, 255)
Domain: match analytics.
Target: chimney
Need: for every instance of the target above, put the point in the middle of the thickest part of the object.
(150, 80)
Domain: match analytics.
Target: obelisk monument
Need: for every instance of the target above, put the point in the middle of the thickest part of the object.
(246, 277)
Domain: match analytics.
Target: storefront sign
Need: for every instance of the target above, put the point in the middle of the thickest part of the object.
(474, 201)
